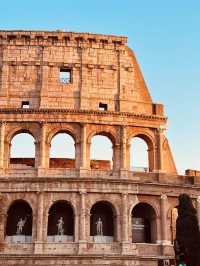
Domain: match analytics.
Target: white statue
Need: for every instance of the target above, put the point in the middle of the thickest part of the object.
(20, 226)
(60, 225)
(99, 224)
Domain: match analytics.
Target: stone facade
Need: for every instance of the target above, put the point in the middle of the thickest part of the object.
(85, 85)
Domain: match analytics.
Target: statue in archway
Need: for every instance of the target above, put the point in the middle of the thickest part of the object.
(20, 226)
(99, 227)
(60, 226)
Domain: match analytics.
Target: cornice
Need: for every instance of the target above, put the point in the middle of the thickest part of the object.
(78, 112)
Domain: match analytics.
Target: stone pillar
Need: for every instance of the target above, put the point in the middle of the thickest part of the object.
(163, 217)
(82, 223)
(159, 157)
(3, 217)
(44, 86)
(42, 151)
(123, 153)
(198, 209)
(84, 161)
(39, 223)
(2, 145)
(77, 155)
(116, 157)
(4, 80)
(124, 218)
(123, 148)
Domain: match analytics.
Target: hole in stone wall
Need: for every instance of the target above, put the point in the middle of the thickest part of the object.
(60, 222)
(65, 75)
(19, 222)
(62, 152)
(143, 224)
(22, 151)
(101, 153)
(102, 222)
(103, 107)
(139, 155)
(25, 104)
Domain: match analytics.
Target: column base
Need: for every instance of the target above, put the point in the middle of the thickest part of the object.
(41, 172)
(83, 172)
(128, 248)
(82, 247)
(38, 247)
(123, 173)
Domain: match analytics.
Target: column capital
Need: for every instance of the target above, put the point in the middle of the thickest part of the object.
(82, 192)
(161, 129)
(163, 196)
(198, 199)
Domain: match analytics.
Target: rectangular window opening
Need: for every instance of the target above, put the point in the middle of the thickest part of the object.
(25, 104)
(103, 107)
(65, 75)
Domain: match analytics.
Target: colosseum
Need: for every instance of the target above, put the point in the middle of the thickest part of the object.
(81, 210)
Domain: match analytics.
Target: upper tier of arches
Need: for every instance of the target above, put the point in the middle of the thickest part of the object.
(73, 145)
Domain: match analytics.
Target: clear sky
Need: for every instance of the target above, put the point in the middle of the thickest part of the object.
(165, 36)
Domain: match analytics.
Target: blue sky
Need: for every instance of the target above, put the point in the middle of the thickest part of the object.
(165, 37)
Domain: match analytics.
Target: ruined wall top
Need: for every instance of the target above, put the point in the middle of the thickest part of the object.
(68, 70)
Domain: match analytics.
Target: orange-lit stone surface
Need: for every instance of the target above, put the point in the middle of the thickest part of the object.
(104, 71)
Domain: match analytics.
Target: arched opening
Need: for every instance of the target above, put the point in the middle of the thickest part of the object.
(139, 155)
(22, 151)
(143, 224)
(19, 222)
(102, 222)
(60, 222)
(174, 216)
(62, 152)
(101, 153)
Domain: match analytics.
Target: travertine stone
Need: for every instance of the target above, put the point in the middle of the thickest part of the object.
(104, 73)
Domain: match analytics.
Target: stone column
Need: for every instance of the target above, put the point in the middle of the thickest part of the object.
(124, 154)
(163, 217)
(123, 148)
(124, 218)
(77, 155)
(3, 217)
(2, 144)
(159, 157)
(82, 223)
(198, 209)
(44, 86)
(39, 223)
(42, 154)
(126, 249)
(116, 157)
(84, 161)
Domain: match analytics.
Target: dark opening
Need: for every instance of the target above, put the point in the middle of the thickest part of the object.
(143, 224)
(65, 75)
(25, 104)
(103, 211)
(58, 210)
(103, 107)
(19, 210)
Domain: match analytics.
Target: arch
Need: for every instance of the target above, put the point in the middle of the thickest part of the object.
(103, 132)
(57, 130)
(103, 222)
(144, 229)
(19, 222)
(62, 151)
(101, 152)
(22, 149)
(144, 152)
(60, 222)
